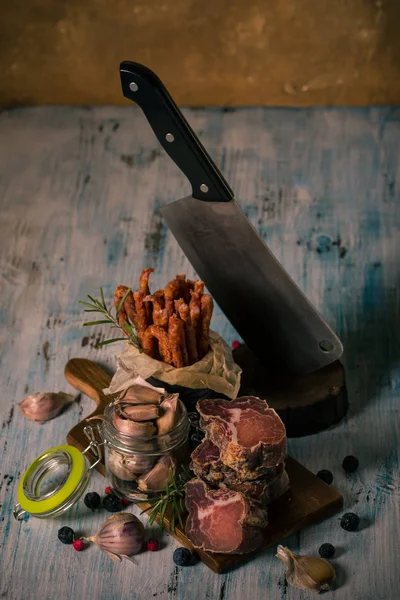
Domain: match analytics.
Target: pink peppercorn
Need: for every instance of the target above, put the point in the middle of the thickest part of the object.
(79, 545)
(236, 344)
(152, 545)
(125, 502)
(108, 490)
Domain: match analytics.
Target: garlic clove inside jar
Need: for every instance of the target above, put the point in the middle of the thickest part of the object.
(170, 414)
(154, 481)
(128, 468)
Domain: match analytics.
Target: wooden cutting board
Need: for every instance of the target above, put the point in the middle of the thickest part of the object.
(309, 500)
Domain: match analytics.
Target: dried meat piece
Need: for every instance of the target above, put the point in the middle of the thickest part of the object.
(142, 323)
(207, 306)
(206, 462)
(250, 435)
(183, 288)
(176, 336)
(119, 293)
(195, 310)
(144, 288)
(159, 314)
(223, 520)
(128, 310)
(171, 293)
(153, 333)
(207, 465)
(144, 281)
(190, 335)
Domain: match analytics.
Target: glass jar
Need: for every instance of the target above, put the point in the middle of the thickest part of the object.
(137, 467)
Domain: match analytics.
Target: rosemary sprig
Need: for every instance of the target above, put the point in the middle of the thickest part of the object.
(173, 497)
(100, 306)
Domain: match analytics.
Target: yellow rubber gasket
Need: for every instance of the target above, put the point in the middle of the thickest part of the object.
(78, 469)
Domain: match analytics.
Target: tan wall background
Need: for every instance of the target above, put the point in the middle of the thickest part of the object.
(243, 52)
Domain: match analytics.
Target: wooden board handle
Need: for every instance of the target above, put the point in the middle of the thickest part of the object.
(88, 378)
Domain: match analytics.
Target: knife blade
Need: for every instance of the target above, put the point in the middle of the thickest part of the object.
(252, 288)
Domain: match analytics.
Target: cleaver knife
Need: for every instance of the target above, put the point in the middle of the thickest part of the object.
(257, 295)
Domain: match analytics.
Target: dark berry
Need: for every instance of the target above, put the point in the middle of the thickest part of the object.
(350, 521)
(152, 545)
(112, 503)
(327, 551)
(66, 535)
(182, 557)
(79, 545)
(350, 464)
(92, 500)
(108, 490)
(326, 476)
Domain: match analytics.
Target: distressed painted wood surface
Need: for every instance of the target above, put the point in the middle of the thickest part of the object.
(80, 191)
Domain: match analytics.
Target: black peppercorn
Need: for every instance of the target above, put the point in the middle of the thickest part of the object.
(326, 476)
(112, 503)
(66, 535)
(350, 521)
(350, 464)
(92, 500)
(326, 550)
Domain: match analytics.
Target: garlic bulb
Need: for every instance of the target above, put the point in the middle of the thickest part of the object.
(129, 468)
(307, 572)
(120, 536)
(45, 406)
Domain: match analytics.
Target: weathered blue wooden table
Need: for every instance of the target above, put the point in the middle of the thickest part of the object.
(80, 191)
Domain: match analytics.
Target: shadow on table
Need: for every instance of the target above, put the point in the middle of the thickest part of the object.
(372, 342)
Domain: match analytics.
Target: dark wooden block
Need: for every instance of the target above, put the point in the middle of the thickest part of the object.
(306, 404)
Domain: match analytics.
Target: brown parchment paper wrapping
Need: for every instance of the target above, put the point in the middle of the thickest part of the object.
(216, 370)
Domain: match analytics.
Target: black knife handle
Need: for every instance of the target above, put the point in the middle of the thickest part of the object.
(174, 133)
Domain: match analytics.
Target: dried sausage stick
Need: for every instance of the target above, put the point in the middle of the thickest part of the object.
(190, 336)
(155, 332)
(207, 306)
(176, 336)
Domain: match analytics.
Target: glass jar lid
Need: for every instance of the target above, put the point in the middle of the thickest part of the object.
(55, 480)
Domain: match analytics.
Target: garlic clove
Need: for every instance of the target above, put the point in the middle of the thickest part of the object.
(120, 536)
(141, 394)
(129, 468)
(129, 427)
(307, 572)
(42, 407)
(170, 414)
(139, 412)
(154, 480)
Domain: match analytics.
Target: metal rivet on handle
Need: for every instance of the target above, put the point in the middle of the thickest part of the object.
(169, 137)
(133, 86)
(204, 188)
(326, 345)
